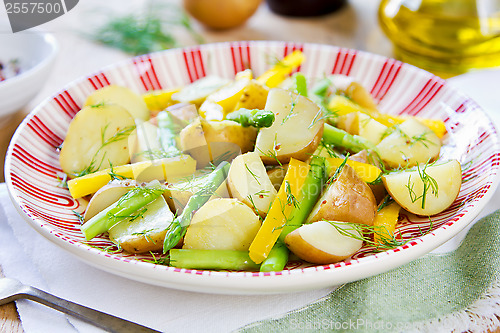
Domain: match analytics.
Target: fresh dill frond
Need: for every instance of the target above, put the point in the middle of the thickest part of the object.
(79, 216)
(338, 171)
(291, 200)
(292, 108)
(253, 174)
(385, 202)
(93, 165)
(150, 31)
(367, 233)
(158, 260)
(62, 181)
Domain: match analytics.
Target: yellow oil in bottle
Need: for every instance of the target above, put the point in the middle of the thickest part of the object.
(446, 37)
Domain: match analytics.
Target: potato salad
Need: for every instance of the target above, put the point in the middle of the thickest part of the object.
(243, 173)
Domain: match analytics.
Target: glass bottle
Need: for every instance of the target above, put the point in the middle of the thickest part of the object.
(446, 37)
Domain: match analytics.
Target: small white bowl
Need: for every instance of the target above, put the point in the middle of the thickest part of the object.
(36, 52)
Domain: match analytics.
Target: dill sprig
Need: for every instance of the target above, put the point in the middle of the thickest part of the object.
(93, 165)
(292, 108)
(62, 181)
(291, 200)
(80, 217)
(428, 182)
(253, 174)
(385, 202)
(367, 233)
(114, 176)
(158, 260)
(150, 31)
(338, 171)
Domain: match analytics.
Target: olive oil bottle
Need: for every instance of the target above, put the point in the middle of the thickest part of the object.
(446, 37)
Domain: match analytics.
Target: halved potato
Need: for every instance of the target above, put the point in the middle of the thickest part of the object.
(410, 143)
(197, 91)
(426, 190)
(220, 103)
(179, 191)
(146, 231)
(123, 97)
(97, 138)
(322, 243)
(254, 96)
(215, 141)
(296, 131)
(144, 142)
(222, 224)
(106, 196)
(249, 182)
(347, 199)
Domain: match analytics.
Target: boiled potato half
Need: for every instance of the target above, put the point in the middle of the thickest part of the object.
(322, 243)
(248, 181)
(426, 190)
(347, 199)
(123, 97)
(97, 138)
(180, 191)
(222, 224)
(198, 91)
(296, 131)
(215, 141)
(410, 143)
(106, 196)
(145, 232)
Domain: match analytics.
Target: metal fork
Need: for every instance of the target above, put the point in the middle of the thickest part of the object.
(11, 289)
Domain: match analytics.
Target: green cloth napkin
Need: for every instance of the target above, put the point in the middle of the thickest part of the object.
(437, 289)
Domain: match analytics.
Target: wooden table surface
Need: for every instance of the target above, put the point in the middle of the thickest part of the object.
(355, 26)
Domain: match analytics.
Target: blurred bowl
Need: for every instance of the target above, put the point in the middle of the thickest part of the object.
(35, 52)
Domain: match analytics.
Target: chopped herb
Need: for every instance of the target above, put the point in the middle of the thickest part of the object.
(253, 174)
(388, 241)
(338, 171)
(147, 32)
(119, 135)
(79, 216)
(428, 182)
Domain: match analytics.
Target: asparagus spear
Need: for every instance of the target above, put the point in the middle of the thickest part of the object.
(277, 259)
(180, 224)
(124, 208)
(212, 259)
(337, 137)
(309, 194)
(167, 130)
(255, 118)
(300, 84)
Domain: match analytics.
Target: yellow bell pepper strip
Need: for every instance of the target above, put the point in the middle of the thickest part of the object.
(367, 172)
(88, 184)
(274, 76)
(166, 168)
(341, 105)
(280, 210)
(309, 194)
(435, 125)
(385, 222)
(160, 99)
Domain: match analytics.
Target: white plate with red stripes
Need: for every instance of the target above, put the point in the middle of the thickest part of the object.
(33, 172)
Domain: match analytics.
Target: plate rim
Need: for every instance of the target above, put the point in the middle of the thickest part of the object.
(278, 282)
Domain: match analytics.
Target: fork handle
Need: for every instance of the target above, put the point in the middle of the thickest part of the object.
(105, 321)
